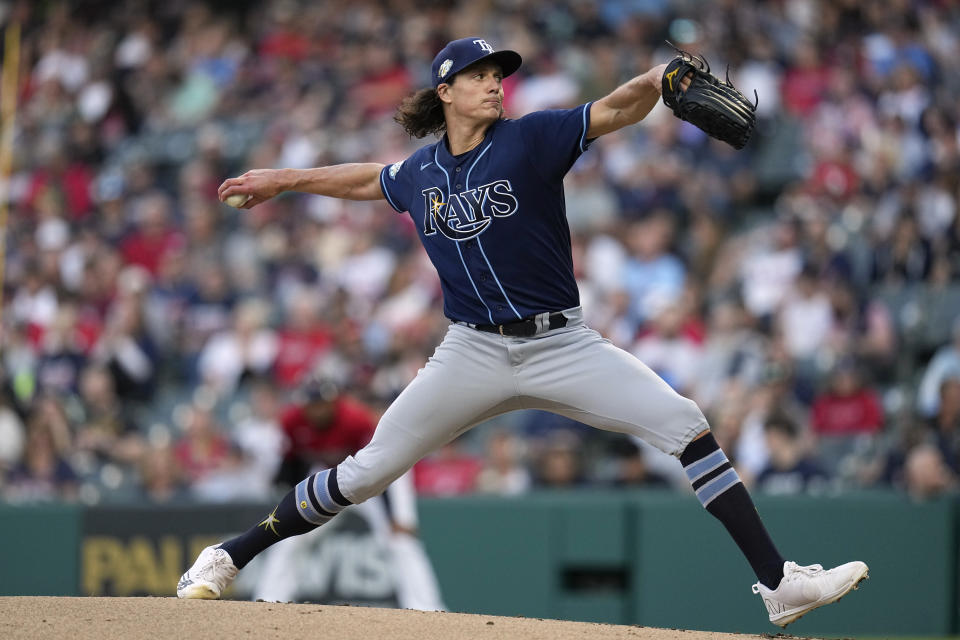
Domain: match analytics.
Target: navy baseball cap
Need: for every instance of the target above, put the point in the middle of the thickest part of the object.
(460, 54)
(319, 390)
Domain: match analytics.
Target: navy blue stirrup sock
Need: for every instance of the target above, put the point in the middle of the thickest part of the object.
(720, 491)
(315, 500)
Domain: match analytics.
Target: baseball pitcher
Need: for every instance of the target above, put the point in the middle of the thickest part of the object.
(488, 204)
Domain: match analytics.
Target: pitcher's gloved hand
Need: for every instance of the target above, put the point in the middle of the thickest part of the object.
(713, 105)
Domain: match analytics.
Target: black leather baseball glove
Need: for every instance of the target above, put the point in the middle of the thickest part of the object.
(715, 106)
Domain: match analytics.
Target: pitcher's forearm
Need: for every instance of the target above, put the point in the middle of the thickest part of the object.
(359, 181)
(355, 181)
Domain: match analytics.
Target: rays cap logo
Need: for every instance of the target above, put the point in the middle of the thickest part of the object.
(460, 54)
(445, 68)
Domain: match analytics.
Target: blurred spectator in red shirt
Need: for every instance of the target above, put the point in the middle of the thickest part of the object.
(448, 472)
(847, 407)
(384, 83)
(286, 37)
(806, 82)
(154, 236)
(67, 182)
(834, 175)
(301, 341)
(203, 447)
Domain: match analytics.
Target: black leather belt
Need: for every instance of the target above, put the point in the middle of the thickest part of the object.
(527, 327)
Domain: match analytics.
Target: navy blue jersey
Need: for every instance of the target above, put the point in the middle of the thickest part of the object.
(493, 220)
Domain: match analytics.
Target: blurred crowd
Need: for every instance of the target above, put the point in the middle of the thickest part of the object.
(804, 291)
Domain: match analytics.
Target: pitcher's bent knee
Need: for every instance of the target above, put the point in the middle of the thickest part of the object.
(689, 423)
(361, 479)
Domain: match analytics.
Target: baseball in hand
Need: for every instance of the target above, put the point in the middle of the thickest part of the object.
(237, 200)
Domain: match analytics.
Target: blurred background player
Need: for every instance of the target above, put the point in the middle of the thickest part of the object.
(322, 428)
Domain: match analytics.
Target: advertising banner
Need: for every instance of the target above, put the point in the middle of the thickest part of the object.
(143, 551)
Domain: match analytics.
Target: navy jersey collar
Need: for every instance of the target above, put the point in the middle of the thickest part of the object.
(447, 159)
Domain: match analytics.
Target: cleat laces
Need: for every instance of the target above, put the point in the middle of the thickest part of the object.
(811, 570)
(209, 571)
(792, 571)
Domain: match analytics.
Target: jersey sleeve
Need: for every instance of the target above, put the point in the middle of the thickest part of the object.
(555, 138)
(397, 184)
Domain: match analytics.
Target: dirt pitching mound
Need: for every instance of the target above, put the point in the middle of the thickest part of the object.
(135, 618)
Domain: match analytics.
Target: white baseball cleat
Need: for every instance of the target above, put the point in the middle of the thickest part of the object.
(209, 576)
(803, 589)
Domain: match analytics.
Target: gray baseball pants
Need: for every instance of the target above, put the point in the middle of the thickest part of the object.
(473, 376)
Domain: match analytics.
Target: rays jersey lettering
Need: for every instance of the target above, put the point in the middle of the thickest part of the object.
(467, 214)
(498, 261)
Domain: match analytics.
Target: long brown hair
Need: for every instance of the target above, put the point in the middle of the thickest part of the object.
(421, 114)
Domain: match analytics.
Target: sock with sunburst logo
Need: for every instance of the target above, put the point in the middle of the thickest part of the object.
(720, 491)
(315, 500)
